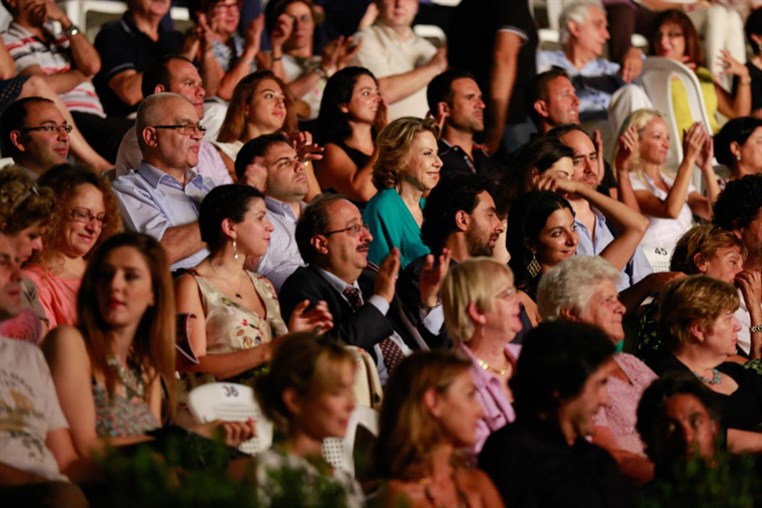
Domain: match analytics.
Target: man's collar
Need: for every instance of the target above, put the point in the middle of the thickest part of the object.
(154, 175)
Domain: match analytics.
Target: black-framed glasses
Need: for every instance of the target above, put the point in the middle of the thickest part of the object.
(50, 128)
(355, 229)
(186, 129)
(85, 216)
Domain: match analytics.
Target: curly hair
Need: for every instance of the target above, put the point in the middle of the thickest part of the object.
(739, 203)
(64, 180)
(22, 201)
(235, 119)
(408, 433)
(393, 144)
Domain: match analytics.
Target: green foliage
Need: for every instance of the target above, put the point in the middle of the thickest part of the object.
(732, 483)
(146, 479)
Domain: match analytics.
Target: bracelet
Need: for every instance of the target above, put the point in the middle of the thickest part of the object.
(755, 328)
(745, 81)
(277, 58)
(322, 72)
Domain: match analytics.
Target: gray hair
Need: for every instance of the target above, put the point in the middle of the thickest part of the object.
(577, 12)
(570, 284)
(152, 111)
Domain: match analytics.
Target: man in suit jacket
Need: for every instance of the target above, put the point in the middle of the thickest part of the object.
(334, 241)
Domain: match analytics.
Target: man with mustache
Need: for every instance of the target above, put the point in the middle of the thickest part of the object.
(366, 312)
(455, 100)
(161, 197)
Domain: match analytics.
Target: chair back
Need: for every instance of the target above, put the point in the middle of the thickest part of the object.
(340, 452)
(231, 402)
(656, 80)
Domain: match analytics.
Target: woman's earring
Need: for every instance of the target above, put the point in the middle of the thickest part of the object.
(235, 251)
(534, 267)
(738, 158)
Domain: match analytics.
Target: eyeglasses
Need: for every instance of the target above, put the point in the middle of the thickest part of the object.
(671, 35)
(186, 129)
(85, 216)
(50, 129)
(354, 229)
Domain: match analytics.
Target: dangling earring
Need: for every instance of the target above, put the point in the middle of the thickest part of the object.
(235, 251)
(738, 158)
(534, 267)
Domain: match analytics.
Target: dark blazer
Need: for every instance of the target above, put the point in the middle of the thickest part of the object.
(364, 328)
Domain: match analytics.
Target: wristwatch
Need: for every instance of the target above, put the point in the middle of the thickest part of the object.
(71, 31)
(755, 328)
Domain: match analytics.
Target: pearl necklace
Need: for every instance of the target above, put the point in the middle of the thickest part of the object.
(715, 379)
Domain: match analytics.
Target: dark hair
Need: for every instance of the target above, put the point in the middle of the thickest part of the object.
(276, 8)
(539, 154)
(440, 88)
(692, 41)
(157, 73)
(23, 202)
(537, 90)
(653, 406)
(446, 199)
(314, 220)
(556, 360)
(754, 27)
(736, 130)
(528, 216)
(14, 119)
(229, 201)
(333, 124)
(560, 131)
(739, 203)
(256, 147)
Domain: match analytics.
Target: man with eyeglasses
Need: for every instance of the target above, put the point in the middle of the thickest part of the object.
(271, 165)
(334, 241)
(35, 134)
(176, 74)
(162, 196)
(63, 57)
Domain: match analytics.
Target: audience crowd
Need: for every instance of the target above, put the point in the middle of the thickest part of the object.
(462, 259)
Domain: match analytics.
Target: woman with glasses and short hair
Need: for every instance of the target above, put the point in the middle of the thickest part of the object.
(86, 215)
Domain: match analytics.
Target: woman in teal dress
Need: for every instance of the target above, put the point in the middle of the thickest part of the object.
(406, 170)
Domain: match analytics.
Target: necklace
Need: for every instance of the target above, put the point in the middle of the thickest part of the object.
(715, 379)
(489, 368)
(237, 293)
(431, 497)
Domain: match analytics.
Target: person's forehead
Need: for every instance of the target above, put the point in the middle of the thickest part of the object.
(559, 84)
(484, 201)
(177, 109)
(683, 404)
(43, 111)
(465, 86)
(341, 212)
(578, 141)
(595, 13)
(180, 70)
(278, 150)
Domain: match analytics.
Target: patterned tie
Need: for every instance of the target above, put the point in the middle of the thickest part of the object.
(392, 353)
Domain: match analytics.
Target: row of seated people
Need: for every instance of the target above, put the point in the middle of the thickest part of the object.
(528, 407)
(101, 83)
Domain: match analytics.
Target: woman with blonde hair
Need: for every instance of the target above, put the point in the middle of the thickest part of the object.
(25, 209)
(429, 415)
(86, 215)
(482, 315)
(406, 170)
(669, 201)
(308, 394)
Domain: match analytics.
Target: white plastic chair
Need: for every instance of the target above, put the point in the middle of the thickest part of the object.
(656, 80)
(339, 452)
(431, 33)
(659, 258)
(231, 402)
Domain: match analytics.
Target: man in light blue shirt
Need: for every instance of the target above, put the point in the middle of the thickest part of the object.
(162, 196)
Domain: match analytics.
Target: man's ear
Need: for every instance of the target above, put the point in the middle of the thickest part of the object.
(16, 138)
(462, 220)
(320, 244)
(159, 88)
(443, 110)
(569, 315)
(573, 28)
(149, 136)
(541, 107)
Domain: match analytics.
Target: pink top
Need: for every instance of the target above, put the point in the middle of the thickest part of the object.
(497, 410)
(620, 413)
(58, 296)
